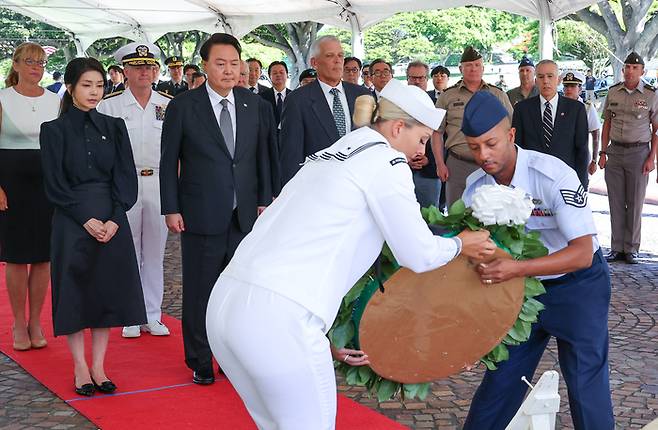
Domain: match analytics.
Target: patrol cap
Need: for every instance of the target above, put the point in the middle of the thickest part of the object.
(573, 77)
(634, 58)
(174, 61)
(413, 101)
(525, 61)
(470, 54)
(137, 54)
(482, 113)
(440, 69)
(308, 73)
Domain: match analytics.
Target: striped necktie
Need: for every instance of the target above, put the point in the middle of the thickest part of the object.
(547, 123)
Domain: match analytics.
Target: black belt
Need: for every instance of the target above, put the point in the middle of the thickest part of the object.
(460, 157)
(146, 172)
(629, 144)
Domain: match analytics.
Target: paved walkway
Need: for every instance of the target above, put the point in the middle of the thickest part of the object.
(26, 404)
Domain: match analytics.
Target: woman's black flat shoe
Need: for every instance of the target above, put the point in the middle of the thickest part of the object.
(106, 387)
(87, 390)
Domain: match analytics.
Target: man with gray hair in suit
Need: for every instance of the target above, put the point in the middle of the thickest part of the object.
(318, 114)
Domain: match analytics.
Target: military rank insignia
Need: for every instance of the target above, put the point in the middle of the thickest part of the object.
(160, 112)
(576, 198)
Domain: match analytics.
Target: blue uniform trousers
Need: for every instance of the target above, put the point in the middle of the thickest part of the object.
(576, 314)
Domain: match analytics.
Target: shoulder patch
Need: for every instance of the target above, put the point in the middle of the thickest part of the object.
(498, 88)
(162, 93)
(454, 86)
(577, 198)
(398, 160)
(616, 85)
(649, 87)
(114, 94)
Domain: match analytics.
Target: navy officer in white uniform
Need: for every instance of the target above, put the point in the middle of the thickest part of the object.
(143, 110)
(574, 273)
(270, 310)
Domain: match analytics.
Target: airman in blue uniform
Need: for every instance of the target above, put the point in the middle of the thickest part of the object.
(574, 273)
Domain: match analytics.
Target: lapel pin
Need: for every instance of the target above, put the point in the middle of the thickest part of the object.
(244, 104)
(561, 113)
(103, 137)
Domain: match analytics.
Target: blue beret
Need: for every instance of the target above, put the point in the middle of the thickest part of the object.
(482, 113)
(525, 61)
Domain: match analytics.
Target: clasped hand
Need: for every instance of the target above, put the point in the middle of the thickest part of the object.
(101, 231)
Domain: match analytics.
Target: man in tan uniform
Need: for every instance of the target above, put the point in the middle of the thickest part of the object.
(460, 162)
(630, 124)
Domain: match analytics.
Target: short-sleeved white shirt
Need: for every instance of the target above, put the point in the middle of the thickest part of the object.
(561, 211)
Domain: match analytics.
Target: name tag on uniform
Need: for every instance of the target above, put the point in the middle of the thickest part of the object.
(455, 104)
(614, 104)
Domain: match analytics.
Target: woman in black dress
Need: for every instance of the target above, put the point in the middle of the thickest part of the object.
(91, 180)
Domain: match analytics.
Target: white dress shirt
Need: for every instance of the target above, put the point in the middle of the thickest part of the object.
(343, 100)
(283, 95)
(144, 124)
(216, 103)
(330, 221)
(553, 103)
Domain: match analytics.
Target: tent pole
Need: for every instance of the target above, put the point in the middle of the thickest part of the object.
(358, 49)
(546, 42)
(79, 49)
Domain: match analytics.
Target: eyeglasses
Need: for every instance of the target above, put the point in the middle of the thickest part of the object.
(382, 73)
(30, 62)
(365, 73)
(351, 69)
(416, 78)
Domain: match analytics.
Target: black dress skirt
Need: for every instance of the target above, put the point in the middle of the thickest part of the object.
(25, 225)
(90, 173)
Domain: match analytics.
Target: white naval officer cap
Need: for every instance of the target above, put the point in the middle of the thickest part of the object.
(572, 77)
(137, 53)
(413, 101)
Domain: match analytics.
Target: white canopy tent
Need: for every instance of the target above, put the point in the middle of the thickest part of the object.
(90, 20)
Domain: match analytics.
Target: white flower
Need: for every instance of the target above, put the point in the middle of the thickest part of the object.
(502, 205)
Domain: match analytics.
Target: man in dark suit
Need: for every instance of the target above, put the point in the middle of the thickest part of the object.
(553, 124)
(219, 134)
(255, 70)
(115, 83)
(278, 72)
(318, 114)
(440, 77)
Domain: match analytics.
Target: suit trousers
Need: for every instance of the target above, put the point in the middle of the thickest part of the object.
(458, 172)
(150, 238)
(276, 355)
(427, 190)
(627, 187)
(576, 314)
(204, 258)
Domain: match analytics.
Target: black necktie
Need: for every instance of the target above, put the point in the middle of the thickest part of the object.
(547, 123)
(279, 105)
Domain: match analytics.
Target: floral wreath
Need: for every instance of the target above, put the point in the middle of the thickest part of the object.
(502, 211)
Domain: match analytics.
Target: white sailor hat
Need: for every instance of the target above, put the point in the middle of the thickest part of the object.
(413, 101)
(137, 54)
(573, 77)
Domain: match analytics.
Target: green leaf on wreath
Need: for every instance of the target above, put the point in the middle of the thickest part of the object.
(387, 389)
(342, 335)
(490, 364)
(533, 287)
(500, 353)
(457, 208)
(365, 373)
(352, 376)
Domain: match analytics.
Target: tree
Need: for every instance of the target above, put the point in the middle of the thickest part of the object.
(629, 25)
(294, 39)
(578, 40)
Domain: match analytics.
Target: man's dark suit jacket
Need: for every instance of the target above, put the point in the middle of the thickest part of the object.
(570, 134)
(308, 126)
(203, 193)
(109, 88)
(269, 95)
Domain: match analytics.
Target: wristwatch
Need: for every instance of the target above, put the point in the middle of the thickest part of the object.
(458, 242)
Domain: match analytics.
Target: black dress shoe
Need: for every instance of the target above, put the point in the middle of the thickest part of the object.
(631, 258)
(106, 387)
(87, 390)
(615, 256)
(203, 378)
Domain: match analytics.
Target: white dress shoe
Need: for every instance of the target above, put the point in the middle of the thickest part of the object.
(156, 328)
(130, 331)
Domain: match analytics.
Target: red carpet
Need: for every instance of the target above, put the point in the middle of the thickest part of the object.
(155, 388)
